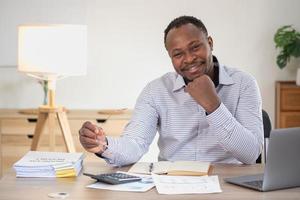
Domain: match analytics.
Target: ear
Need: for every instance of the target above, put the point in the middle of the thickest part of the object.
(210, 42)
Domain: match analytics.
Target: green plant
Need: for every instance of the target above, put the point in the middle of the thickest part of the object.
(288, 40)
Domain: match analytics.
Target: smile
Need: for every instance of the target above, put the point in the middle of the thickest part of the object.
(192, 69)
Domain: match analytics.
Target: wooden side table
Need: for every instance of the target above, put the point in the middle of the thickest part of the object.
(49, 114)
(287, 104)
(17, 127)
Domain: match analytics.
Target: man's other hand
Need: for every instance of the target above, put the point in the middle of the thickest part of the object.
(202, 89)
(92, 138)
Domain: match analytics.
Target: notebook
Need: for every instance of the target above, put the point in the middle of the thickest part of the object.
(184, 168)
(282, 165)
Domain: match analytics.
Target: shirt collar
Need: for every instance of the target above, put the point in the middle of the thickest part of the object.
(179, 83)
(223, 77)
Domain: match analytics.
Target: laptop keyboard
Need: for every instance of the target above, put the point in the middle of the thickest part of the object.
(257, 184)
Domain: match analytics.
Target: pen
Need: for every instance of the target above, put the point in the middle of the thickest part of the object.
(151, 167)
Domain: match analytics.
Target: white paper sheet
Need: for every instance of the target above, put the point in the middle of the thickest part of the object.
(140, 186)
(186, 184)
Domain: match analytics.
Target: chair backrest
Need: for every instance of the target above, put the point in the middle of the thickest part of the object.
(267, 124)
(267, 129)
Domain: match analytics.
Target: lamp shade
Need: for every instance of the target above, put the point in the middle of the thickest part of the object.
(55, 51)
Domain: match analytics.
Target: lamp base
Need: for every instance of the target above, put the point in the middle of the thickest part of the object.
(50, 114)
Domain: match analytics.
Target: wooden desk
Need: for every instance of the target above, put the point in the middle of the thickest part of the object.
(38, 188)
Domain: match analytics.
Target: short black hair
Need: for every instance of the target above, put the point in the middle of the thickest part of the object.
(183, 20)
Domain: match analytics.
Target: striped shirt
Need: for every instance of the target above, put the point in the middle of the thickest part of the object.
(233, 133)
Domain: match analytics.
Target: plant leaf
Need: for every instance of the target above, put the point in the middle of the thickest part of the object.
(296, 50)
(284, 36)
(281, 60)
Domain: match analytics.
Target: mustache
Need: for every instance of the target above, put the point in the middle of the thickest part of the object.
(189, 66)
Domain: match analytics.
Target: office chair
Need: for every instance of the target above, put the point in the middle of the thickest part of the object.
(267, 129)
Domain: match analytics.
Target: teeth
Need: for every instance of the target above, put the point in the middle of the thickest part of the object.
(189, 67)
(192, 69)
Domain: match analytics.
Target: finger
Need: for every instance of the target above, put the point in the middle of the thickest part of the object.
(102, 141)
(88, 145)
(93, 128)
(101, 138)
(90, 126)
(99, 131)
(86, 140)
(87, 133)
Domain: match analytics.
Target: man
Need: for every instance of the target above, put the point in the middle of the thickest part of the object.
(203, 111)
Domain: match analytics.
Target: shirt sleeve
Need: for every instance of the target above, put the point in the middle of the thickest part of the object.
(137, 135)
(242, 134)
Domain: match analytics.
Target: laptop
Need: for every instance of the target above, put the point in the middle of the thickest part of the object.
(282, 169)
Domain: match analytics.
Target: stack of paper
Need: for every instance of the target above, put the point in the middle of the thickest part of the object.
(49, 164)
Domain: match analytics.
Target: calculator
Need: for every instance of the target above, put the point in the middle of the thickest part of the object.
(114, 178)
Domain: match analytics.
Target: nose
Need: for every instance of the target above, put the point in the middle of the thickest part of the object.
(189, 58)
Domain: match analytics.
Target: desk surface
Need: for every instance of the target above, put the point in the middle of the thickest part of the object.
(38, 188)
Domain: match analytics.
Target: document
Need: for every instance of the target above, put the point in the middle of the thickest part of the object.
(184, 168)
(49, 164)
(186, 184)
(140, 186)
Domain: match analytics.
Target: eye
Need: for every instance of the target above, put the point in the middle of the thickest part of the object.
(177, 55)
(196, 47)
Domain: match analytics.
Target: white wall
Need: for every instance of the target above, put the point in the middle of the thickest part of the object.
(126, 45)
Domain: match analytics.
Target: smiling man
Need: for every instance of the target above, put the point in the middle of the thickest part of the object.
(204, 111)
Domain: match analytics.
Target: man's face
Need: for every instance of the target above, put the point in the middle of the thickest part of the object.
(190, 51)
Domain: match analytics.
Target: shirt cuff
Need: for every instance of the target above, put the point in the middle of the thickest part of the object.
(220, 120)
(108, 155)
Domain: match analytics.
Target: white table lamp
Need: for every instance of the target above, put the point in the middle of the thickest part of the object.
(51, 52)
